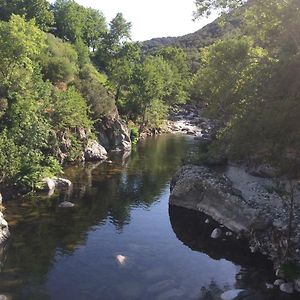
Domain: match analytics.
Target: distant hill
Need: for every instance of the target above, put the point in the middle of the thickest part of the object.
(192, 42)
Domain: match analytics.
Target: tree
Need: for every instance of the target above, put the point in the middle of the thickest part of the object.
(205, 7)
(151, 80)
(94, 27)
(75, 22)
(227, 75)
(177, 60)
(112, 42)
(30, 9)
(69, 19)
(122, 67)
(21, 43)
(119, 29)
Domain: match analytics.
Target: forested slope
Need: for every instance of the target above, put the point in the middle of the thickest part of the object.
(249, 80)
(64, 72)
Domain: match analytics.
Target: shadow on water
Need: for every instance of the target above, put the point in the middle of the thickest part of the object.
(194, 230)
(70, 254)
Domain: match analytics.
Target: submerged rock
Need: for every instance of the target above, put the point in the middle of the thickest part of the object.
(49, 184)
(62, 182)
(217, 232)
(94, 151)
(297, 284)
(278, 282)
(269, 286)
(121, 259)
(66, 204)
(287, 288)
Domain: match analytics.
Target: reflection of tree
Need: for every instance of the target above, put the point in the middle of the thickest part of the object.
(102, 192)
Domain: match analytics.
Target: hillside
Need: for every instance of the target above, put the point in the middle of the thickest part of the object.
(202, 37)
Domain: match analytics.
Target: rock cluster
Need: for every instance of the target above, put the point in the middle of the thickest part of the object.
(113, 134)
(188, 120)
(242, 203)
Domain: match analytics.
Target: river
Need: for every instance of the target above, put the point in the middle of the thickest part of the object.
(121, 240)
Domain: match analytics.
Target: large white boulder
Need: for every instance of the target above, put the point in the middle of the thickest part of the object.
(94, 151)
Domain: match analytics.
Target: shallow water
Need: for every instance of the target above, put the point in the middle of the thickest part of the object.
(122, 241)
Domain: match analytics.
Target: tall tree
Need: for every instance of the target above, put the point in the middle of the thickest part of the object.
(31, 9)
(177, 60)
(112, 42)
(69, 19)
(21, 43)
(94, 27)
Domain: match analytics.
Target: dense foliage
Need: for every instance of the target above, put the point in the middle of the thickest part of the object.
(250, 80)
(62, 69)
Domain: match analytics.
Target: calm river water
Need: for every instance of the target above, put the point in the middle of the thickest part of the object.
(122, 241)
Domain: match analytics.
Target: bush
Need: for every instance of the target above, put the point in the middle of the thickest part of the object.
(59, 61)
(134, 134)
(10, 158)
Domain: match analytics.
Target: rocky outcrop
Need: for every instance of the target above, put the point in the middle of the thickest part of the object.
(243, 204)
(94, 151)
(4, 231)
(49, 184)
(113, 133)
(198, 188)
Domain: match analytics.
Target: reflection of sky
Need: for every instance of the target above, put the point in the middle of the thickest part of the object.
(153, 254)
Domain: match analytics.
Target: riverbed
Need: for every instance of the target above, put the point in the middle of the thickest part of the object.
(122, 240)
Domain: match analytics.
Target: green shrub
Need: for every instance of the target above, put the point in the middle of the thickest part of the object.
(134, 134)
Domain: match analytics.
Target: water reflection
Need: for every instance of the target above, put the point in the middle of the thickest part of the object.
(103, 192)
(117, 243)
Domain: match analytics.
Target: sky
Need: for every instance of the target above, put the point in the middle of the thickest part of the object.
(154, 18)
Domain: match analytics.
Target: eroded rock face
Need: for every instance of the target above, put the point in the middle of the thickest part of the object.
(198, 188)
(242, 204)
(4, 231)
(113, 133)
(94, 151)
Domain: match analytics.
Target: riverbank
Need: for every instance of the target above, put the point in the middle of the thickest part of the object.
(245, 199)
(247, 206)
